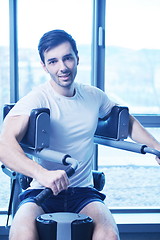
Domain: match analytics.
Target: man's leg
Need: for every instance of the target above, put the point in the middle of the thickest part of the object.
(23, 226)
(104, 224)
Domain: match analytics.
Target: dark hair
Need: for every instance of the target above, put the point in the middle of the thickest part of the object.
(52, 39)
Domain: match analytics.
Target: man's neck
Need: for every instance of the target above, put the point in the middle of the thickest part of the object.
(64, 91)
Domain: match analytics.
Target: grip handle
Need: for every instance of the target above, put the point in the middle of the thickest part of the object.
(47, 192)
(70, 171)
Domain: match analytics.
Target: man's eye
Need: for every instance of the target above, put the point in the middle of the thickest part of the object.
(52, 62)
(69, 58)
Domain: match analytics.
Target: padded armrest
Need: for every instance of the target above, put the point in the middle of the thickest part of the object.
(37, 135)
(115, 126)
(98, 180)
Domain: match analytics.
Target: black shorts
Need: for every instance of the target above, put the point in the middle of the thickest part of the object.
(70, 200)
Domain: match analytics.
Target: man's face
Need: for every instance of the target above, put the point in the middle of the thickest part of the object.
(61, 63)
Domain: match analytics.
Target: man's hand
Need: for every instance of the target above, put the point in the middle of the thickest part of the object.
(55, 180)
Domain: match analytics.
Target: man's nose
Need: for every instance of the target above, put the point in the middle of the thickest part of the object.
(63, 66)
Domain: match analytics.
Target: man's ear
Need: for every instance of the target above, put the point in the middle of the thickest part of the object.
(44, 66)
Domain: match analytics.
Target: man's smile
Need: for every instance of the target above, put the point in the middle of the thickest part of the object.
(64, 76)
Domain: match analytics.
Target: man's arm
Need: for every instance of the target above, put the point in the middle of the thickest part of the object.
(139, 134)
(13, 156)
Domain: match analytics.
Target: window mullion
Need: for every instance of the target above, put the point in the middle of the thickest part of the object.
(14, 93)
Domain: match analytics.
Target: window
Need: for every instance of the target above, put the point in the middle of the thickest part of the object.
(133, 54)
(132, 76)
(4, 54)
(33, 24)
(34, 19)
(132, 179)
(4, 83)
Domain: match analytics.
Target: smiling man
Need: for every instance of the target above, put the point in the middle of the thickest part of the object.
(74, 112)
(62, 68)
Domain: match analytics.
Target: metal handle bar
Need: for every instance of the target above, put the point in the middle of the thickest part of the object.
(53, 156)
(128, 146)
(151, 151)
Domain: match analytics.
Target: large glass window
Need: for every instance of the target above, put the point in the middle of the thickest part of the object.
(34, 19)
(37, 17)
(4, 83)
(133, 54)
(132, 179)
(132, 76)
(4, 54)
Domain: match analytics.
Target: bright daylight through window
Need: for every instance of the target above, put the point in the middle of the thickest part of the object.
(132, 76)
(4, 89)
(132, 73)
(30, 69)
(31, 26)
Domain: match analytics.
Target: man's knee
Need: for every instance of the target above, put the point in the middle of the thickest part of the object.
(23, 232)
(103, 233)
(112, 234)
(24, 225)
(20, 234)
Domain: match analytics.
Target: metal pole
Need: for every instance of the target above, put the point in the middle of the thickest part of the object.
(14, 91)
(98, 44)
(98, 53)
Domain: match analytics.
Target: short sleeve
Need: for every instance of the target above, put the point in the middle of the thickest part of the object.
(25, 105)
(105, 104)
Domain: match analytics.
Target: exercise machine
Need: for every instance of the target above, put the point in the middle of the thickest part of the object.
(35, 143)
(110, 132)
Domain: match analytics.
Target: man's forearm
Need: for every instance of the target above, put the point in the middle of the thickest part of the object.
(139, 134)
(12, 155)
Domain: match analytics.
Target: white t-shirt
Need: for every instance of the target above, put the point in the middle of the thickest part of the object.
(73, 123)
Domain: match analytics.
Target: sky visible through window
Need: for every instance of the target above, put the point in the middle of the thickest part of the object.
(142, 31)
(133, 23)
(144, 14)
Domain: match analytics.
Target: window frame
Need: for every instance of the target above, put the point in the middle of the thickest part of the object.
(97, 75)
(98, 66)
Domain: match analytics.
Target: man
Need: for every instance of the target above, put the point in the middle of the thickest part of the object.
(75, 109)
